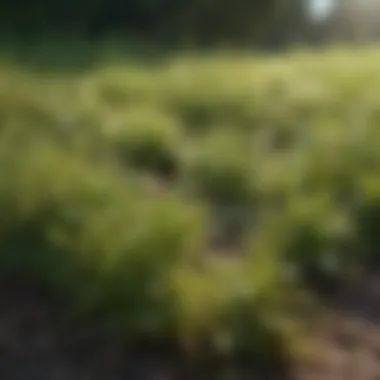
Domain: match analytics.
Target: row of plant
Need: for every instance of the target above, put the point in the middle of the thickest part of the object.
(289, 145)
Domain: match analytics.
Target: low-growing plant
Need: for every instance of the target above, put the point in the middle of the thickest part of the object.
(292, 142)
(219, 167)
(108, 245)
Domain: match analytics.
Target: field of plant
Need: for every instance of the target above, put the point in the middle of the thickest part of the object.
(194, 201)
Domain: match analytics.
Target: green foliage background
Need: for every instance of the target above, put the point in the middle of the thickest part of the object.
(161, 21)
(292, 141)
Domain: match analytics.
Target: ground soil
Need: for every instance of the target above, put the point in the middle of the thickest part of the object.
(36, 344)
(349, 340)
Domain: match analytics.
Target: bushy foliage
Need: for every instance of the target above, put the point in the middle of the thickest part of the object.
(220, 167)
(82, 230)
(293, 141)
(147, 139)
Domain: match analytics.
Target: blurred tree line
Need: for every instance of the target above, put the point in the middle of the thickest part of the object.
(356, 21)
(350, 21)
(241, 23)
(202, 22)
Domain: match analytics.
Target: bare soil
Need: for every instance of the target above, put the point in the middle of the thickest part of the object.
(349, 340)
(35, 343)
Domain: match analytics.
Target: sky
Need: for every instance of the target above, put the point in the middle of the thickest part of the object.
(321, 8)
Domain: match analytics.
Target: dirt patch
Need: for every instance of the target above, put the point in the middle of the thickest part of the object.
(37, 343)
(348, 341)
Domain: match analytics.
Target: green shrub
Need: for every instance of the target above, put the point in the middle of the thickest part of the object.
(115, 87)
(293, 141)
(316, 244)
(108, 245)
(241, 308)
(206, 94)
(220, 167)
(146, 139)
(366, 215)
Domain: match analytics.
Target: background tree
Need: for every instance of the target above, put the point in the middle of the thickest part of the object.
(356, 21)
(203, 22)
